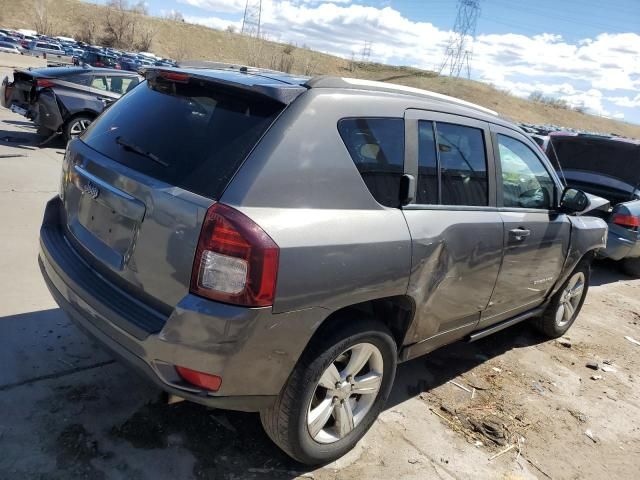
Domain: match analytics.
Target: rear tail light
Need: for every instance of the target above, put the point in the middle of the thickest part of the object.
(629, 221)
(118, 67)
(44, 83)
(236, 261)
(200, 379)
(99, 64)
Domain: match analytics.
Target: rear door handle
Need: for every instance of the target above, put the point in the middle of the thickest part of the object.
(519, 234)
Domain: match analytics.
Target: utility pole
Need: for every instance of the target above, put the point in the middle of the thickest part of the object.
(252, 18)
(457, 55)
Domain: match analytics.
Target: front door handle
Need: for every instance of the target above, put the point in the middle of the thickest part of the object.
(519, 234)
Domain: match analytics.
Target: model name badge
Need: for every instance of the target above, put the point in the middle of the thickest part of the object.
(91, 189)
(543, 280)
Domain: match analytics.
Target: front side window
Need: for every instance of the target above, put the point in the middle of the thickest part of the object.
(463, 165)
(526, 183)
(376, 146)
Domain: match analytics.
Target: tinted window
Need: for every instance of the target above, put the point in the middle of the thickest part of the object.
(196, 135)
(376, 146)
(79, 79)
(100, 83)
(525, 181)
(120, 84)
(427, 165)
(463, 165)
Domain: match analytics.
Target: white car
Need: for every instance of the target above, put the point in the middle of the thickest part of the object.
(7, 47)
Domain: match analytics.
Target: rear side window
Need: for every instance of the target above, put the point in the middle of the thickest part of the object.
(191, 135)
(376, 146)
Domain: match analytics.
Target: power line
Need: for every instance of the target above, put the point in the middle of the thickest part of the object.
(459, 50)
(252, 18)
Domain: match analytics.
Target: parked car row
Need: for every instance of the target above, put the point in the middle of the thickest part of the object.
(80, 53)
(65, 99)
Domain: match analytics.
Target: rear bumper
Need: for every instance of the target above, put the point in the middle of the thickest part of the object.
(252, 350)
(621, 243)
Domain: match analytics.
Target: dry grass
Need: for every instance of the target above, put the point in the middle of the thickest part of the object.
(185, 41)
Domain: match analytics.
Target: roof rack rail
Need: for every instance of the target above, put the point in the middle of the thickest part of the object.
(361, 84)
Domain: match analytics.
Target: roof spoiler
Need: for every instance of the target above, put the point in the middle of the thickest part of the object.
(284, 94)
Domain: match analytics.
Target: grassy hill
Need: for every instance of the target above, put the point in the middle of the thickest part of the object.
(185, 41)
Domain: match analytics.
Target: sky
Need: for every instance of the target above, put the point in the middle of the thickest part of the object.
(584, 51)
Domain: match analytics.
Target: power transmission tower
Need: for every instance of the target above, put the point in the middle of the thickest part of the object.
(459, 50)
(366, 52)
(252, 18)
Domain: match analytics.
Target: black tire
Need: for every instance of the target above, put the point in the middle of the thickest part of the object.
(69, 127)
(631, 266)
(286, 421)
(548, 323)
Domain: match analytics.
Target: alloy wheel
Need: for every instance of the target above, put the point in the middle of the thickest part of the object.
(345, 393)
(570, 299)
(78, 126)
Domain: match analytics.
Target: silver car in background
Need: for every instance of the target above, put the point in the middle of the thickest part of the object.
(257, 241)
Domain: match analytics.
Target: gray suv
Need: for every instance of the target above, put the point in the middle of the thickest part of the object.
(255, 241)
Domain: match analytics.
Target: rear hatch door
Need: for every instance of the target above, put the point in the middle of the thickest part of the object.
(138, 183)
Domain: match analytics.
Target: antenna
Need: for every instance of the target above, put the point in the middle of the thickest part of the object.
(459, 50)
(252, 18)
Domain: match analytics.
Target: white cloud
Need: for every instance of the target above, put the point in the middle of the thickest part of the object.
(219, 6)
(519, 63)
(626, 101)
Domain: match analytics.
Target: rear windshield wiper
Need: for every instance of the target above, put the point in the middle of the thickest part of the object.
(136, 149)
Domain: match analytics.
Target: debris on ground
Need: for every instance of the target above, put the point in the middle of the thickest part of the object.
(491, 427)
(596, 377)
(508, 449)
(581, 417)
(565, 342)
(632, 340)
(605, 368)
(459, 386)
(592, 365)
(589, 434)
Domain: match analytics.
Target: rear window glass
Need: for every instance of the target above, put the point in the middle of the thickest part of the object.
(376, 146)
(190, 135)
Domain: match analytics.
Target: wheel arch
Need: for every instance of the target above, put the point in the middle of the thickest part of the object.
(395, 312)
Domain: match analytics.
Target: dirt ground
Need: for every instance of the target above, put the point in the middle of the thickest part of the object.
(67, 410)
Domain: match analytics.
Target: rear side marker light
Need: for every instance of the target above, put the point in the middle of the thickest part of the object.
(629, 221)
(236, 261)
(200, 379)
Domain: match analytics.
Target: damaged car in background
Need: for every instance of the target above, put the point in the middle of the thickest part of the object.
(64, 100)
(608, 167)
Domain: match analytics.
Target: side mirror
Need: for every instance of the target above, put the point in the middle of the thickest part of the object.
(577, 202)
(573, 201)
